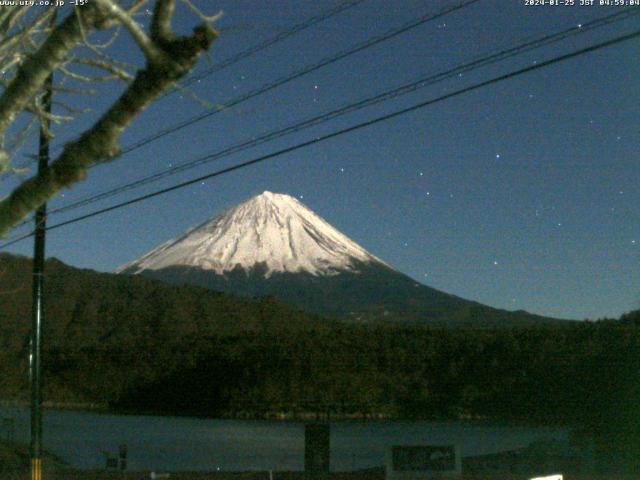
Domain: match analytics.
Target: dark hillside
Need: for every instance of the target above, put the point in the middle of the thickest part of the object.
(135, 344)
(374, 293)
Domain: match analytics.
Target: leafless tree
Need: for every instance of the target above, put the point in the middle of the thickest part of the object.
(32, 46)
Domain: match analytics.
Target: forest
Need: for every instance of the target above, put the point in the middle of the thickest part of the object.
(130, 344)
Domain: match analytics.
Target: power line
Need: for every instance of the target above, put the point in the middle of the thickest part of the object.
(270, 41)
(387, 95)
(353, 128)
(18, 239)
(14, 234)
(308, 69)
(299, 73)
(289, 32)
(322, 63)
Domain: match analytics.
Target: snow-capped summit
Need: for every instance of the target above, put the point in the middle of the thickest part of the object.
(272, 230)
(273, 246)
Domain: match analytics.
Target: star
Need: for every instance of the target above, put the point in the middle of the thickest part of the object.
(421, 174)
(498, 156)
(633, 242)
(495, 262)
(342, 170)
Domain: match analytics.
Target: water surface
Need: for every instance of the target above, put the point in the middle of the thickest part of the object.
(183, 443)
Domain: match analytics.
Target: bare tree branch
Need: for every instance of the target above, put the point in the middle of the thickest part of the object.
(135, 30)
(9, 16)
(161, 21)
(74, 90)
(137, 5)
(172, 58)
(205, 19)
(69, 108)
(34, 71)
(110, 67)
(90, 78)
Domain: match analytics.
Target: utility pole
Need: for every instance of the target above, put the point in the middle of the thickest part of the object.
(37, 313)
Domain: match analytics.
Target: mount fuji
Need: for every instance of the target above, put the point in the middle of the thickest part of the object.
(273, 232)
(273, 245)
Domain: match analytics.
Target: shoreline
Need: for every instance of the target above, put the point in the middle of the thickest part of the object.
(284, 416)
(517, 464)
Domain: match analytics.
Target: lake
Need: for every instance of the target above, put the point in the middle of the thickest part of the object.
(182, 443)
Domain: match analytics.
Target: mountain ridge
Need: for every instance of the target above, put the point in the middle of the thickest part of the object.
(273, 245)
(138, 345)
(390, 297)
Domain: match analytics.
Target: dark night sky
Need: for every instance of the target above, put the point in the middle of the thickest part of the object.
(520, 195)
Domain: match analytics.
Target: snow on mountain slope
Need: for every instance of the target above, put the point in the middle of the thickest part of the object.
(274, 230)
